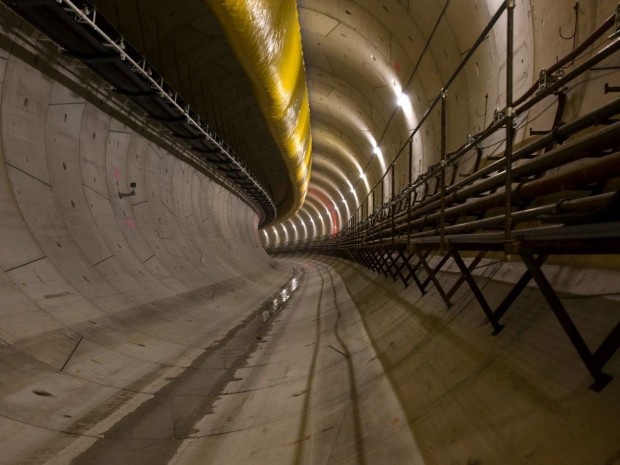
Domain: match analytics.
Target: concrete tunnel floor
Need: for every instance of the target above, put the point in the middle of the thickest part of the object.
(350, 370)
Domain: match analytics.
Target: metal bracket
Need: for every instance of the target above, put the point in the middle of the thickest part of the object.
(609, 88)
(534, 132)
(128, 194)
(616, 32)
(469, 139)
(498, 115)
(545, 79)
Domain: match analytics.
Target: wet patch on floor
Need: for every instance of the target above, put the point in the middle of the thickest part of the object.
(152, 433)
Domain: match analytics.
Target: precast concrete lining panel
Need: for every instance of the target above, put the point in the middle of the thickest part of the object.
(179, 189)
(363, 120)
(183, 190)
(342, 145)
(136, 154)
(89, 309)
(140, 238)
(26, 92)
(42, 283)
(13, 230)
(153, 216)
(57, 392)
(23, 318)
(63, 145)
(323, 83)
(173, 234)
(93, 144)
(161, 283)
(204, 203)
(37, 205)
(21, 445)
(343, 58)
(193, 220)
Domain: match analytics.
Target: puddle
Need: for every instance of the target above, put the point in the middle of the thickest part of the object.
(278, 300)
(152, 434)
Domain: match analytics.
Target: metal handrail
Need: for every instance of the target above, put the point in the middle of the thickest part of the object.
(390, 220)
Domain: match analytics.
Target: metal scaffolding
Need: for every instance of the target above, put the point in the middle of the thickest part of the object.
(555, 193)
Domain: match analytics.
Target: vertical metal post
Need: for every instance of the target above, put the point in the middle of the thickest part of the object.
(373, 201)
(382, 192)
(410, 179)
(393, 207)
(509, 117)
(355, 226)
(409, 206)
(359, 223)
(443, 169)
(367, 216)
(359, 230)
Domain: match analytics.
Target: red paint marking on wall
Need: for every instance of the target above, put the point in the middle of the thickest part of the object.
(130, 223)
(397, 66)
(334, 221)
(117, 173)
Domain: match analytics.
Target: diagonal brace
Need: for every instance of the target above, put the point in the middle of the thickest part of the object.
(477, 292)
(592, 364)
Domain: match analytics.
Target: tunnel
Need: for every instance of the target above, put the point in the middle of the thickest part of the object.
(322, 232)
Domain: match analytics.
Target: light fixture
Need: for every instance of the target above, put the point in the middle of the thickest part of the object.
(402, 99)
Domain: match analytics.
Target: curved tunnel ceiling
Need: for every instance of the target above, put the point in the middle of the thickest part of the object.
(361, 57)
(373, 67)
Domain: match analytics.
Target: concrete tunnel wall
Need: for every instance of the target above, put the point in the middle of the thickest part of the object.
(129, 289)
(104, 301)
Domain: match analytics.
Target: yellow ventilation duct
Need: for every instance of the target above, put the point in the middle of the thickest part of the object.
(266, 39)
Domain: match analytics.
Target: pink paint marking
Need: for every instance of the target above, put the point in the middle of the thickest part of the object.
(130, 223)
(117, 173)
(334, 221)
(397, 66)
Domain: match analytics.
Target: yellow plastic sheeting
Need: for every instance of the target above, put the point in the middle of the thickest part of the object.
(266, 39)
